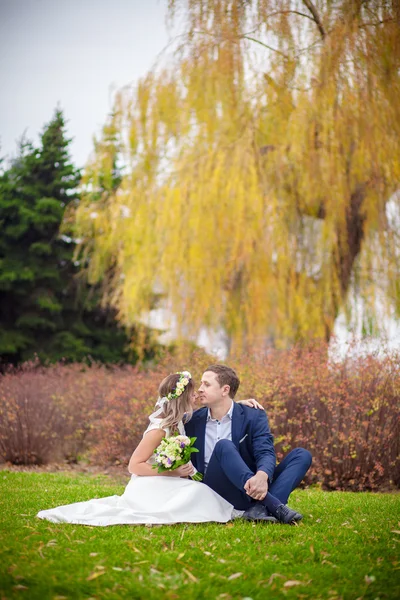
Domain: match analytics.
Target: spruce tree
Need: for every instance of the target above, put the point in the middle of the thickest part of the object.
(44, 309)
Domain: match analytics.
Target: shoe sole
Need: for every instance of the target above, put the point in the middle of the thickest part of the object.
(296, 520)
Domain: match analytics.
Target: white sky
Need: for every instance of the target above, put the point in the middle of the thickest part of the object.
(73, 53)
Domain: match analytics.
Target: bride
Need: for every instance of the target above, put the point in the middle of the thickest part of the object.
(151, 497)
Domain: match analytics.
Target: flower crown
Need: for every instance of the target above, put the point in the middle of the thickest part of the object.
(183, 380)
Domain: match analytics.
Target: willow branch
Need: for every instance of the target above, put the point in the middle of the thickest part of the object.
(316, 17)
(247, 37)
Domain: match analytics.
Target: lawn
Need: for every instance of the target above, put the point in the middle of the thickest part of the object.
(346, 547)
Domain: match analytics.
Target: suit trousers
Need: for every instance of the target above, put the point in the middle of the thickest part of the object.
(227, 474)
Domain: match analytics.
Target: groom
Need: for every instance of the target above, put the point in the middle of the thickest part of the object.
(236, 452)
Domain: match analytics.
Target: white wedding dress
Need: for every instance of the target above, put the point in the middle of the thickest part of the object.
(148, 500)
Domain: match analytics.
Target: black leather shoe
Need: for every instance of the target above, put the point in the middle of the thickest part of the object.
(286, 515)
(258, 512)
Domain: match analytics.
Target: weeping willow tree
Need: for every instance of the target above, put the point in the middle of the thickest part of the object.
(261, 157)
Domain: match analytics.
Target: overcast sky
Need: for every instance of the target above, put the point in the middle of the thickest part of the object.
(72, 53)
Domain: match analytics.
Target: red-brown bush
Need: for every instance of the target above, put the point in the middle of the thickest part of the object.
(345, 413)
(118, 427)
(46, 412)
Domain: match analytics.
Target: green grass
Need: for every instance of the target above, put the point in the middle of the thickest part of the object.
(346, 547)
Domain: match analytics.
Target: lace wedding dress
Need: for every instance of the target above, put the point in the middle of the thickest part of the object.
(155, 500)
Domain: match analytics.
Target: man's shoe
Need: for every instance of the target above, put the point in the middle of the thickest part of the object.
(286, 515)
(258, 512)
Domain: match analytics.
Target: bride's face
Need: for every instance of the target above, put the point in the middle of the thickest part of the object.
(194, 399)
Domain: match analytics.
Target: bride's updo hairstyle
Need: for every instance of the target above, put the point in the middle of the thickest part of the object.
(177, 408)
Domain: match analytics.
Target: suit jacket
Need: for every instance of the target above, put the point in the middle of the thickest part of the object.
(250, 434)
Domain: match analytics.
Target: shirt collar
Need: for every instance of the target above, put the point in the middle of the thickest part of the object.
(228, 414)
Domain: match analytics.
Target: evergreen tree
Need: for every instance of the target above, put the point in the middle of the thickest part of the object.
(44, 308)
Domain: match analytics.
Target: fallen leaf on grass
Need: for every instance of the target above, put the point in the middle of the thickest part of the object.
(312, 550)
(94, 554)
(234, 576)
(181, 555)
(191, 576)
(20, 587)
(395, 531)
(94, 575)
(40, 550)
(270, 580)
(292, 583)
(328, 562)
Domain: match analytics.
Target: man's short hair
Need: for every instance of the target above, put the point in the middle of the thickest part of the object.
(226, 376)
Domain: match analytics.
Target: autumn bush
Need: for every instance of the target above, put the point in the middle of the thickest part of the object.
(118, 427)
(46, 412)
(65, 411)
(346, 413)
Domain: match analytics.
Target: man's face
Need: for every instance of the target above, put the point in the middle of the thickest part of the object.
(210, 392)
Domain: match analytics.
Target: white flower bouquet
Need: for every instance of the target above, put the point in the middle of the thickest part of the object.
(173, 452)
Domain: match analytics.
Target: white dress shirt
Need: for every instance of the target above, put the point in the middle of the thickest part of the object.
(216, 430)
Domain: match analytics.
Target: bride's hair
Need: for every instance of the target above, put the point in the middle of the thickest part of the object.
(176, 408)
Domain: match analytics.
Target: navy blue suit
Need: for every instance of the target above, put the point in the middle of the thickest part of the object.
(232, 463)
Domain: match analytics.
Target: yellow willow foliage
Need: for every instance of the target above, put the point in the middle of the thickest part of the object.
(259, 163)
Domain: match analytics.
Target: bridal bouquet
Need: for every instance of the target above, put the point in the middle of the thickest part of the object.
(173, 452)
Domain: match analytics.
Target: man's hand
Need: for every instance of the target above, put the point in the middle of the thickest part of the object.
(257, 486)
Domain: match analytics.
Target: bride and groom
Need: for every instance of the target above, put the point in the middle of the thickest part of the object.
(235, 454)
